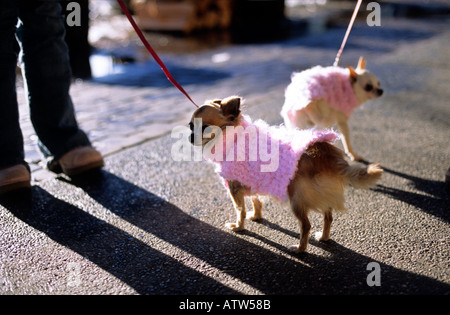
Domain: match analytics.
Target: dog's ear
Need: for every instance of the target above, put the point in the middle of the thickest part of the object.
(353, 74)
(361, 63)
(231, 107)
(215, 101)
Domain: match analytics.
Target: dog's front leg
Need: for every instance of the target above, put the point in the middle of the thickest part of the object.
(237, 191)
(343, 126)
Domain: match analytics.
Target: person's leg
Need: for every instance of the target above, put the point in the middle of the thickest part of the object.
(46, 67)
(77, 40)
(14, 172)
(11, 140)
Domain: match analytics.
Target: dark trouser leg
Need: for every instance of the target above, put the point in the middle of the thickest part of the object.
(11, 140)
(46, 67)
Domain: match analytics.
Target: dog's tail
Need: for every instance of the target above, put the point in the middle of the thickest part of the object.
(363, 177)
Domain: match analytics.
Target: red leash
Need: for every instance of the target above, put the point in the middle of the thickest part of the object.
(152, 52)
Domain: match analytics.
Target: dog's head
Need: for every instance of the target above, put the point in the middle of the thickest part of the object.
(214, 114)
(365, 84)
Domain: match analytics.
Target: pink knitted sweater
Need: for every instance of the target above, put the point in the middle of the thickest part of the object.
(329, 83)
(262, 157)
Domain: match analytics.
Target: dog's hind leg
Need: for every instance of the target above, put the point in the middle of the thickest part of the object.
(257, 209)
(301, 212)
(327, 220)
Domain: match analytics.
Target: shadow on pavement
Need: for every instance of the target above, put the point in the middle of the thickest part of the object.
(143, 268)
(149, 271)
(435, 202)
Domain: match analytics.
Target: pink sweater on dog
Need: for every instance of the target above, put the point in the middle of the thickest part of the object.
(236, 162)
(329, 83)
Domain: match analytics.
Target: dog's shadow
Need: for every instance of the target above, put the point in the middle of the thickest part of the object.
(349, 271)
(329, 245)
(150, 271)
(434, 200)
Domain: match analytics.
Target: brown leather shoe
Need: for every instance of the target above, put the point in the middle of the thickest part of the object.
(14, 177)
(77, 161)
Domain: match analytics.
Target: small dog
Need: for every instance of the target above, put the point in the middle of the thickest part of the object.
(311, 172)
(323, 97)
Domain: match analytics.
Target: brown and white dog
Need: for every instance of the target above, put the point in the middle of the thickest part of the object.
(318, 177)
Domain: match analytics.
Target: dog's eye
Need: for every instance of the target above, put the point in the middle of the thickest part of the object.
(368, 87)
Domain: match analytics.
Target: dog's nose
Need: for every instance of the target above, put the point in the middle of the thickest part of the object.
(379, 92)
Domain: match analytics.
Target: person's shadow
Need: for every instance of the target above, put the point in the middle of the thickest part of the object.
(149, 271)
(145, 269)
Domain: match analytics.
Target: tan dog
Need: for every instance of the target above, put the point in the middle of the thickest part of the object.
(318, 178)
(321, 97)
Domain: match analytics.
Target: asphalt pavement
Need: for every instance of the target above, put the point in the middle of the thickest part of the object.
(148, 224)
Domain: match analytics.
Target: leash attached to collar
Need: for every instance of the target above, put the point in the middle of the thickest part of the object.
(350, 25)
(152, 52)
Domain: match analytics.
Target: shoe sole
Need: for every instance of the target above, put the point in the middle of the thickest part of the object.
(15, 186)
(79, 170)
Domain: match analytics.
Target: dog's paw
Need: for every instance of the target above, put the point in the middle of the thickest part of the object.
(355, 157)
(297, 248)
(234, 227)
(318, 236)
(254, 216)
